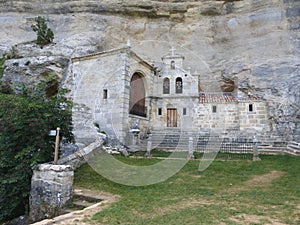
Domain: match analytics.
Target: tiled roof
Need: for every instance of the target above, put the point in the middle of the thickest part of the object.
(247, 99)
(216, 97)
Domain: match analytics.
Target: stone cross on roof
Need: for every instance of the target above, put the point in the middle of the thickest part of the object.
(172, 50)
(128, 43)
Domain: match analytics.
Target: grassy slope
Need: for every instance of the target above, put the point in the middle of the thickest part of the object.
(228, 192)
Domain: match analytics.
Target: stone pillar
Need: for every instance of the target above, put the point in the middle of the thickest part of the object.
(191, 148)
(255, 149)
(149, 146)
(51, 189)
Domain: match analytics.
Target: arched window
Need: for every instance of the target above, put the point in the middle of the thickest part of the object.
(172, 64)
(166, 86)
(137, 96)
(178, 85)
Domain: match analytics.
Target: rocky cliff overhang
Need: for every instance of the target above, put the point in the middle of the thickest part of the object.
(252, 45)
(144, 8)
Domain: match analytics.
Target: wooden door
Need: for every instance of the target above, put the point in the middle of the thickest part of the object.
(171, 117)
(137, 96)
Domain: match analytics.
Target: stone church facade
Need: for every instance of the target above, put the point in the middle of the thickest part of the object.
(114, 88)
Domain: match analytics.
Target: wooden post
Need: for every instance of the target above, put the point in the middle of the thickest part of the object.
(56, 146)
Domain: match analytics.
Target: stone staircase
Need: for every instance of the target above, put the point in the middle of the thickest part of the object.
(175, 139)
(293, 148)
(272, 144)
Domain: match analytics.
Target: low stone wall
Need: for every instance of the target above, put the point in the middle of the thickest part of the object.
(80, 157)
(52, 185)
(51, 189)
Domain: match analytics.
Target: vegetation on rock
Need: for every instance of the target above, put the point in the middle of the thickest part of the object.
(25, 121)
(2, 60)
(44, 34)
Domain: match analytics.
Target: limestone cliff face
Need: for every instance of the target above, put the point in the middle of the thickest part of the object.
(255, 43)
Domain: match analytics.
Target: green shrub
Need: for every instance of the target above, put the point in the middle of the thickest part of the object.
(25, 122)
(44, 34)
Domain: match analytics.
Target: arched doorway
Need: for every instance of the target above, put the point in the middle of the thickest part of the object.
(137, 96)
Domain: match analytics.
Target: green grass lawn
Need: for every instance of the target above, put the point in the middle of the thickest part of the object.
(228, 192)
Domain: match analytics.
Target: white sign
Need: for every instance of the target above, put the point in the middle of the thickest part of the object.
(52, 133)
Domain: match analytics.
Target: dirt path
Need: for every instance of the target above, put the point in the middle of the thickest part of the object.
(77, 217)
(262, 180)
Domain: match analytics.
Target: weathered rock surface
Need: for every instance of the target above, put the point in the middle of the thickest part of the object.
(255, 43)
(31, 69)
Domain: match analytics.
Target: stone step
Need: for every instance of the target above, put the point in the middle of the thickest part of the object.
(292, 152)
(293, 148)
(82, 203)
(294, 145)
(271, 150)
(169, 139)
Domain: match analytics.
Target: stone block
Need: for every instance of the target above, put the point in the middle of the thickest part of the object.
(260, 108)
(263, 116)
(51, 189)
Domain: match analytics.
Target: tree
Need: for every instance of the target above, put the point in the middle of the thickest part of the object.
(25, 122)
(44, 34)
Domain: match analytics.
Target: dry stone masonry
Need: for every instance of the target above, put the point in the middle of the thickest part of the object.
(51, 189)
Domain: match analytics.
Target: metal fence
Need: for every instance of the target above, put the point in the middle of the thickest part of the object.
(240, 147)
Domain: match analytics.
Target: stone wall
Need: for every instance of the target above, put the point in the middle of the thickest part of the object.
(225, 117)
(101, 83)
(92, 75)
(51, 189)
(185, 109)
(257, 119)
(234, 116)
(83, 155)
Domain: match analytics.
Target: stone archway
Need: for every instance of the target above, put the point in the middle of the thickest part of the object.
(137, 96)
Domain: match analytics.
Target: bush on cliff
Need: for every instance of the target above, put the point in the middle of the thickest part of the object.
(25, 121)
(44, 34)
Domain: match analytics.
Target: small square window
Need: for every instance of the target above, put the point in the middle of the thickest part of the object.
(184, 111)
(214, 109)
(159, 111)
(105, 94)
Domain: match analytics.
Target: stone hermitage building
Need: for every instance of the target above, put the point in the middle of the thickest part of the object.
(116, 87)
